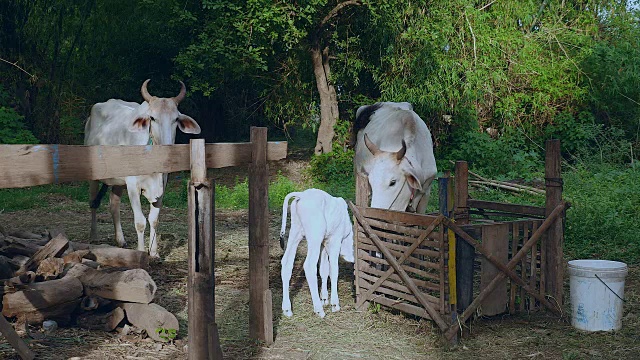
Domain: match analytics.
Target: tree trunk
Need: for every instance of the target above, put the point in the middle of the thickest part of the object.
(328, 99)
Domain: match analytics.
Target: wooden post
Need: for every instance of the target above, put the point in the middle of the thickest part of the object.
(260, 315)
(465, 253)
(553, 244)
(444, 200)
(203, 334)
(14, 339)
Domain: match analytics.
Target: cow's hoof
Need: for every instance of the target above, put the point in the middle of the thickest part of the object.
(324, 301)
(335, 308)
(287, 313)
(320, 314)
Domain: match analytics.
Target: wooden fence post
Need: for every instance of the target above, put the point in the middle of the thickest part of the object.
(553, 244)
(465, 253)
(444, 199)
(260, 311)
(204, 342)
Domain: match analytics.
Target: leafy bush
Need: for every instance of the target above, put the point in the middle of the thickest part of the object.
(12, 128)
(603, 221)
(333, 167)
(506, 157)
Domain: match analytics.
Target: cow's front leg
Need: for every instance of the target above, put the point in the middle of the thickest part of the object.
(324, 274)
(311, 271)
(114, 207)
(154, 213)
(138, 215)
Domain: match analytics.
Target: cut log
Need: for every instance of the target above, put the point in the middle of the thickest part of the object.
(101, 321)
(41, 296)
(61, 313)
(75, 256)
(151, 318)
(119, 257)
(103, 254)
(133, 285)
(6, 268)
(54, 248)
(25, 234)
(50, 268)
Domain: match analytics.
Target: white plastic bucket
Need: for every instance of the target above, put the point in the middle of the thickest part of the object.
(597, 290)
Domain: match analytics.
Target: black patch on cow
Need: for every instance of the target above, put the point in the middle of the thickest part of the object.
(363, 120)
(95, 203)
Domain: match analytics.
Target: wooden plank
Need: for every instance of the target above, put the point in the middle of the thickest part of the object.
(555, 236)
(396, 289)
(259, 238)
(53, 164)
(514, 250)
(365, 268)
(410, 231)
(495, 240)
(533, 264)
(523, 264)
(399, 216)
(402, 247)
(506, 207)
(402, 306)
(366, 257)
(14, 339)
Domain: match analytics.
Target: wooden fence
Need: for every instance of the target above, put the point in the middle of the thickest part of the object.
(32, 165)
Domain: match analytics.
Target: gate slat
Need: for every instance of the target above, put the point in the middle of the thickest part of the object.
(495, 240)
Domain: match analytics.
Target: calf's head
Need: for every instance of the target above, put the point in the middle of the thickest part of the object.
(392, 178)
(163, 116)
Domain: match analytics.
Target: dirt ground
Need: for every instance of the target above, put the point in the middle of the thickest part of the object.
(348, 334)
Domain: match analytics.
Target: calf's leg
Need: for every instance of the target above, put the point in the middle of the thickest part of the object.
(154, 213)
(324, 274)
(295, 236)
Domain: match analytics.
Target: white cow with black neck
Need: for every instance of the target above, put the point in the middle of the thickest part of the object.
(394, 151)
(119, 122)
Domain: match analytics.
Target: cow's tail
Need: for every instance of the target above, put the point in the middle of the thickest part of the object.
(285, 208)
(95, 203)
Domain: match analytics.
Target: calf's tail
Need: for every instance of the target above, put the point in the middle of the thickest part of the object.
(285, 208)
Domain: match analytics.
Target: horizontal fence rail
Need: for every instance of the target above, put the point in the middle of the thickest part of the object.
(31, 165)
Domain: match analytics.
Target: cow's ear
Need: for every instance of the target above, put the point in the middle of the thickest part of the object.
(412, 180)
(141, 123)
(188, 125)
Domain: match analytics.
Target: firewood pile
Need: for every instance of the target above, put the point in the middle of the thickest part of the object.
(47, 277)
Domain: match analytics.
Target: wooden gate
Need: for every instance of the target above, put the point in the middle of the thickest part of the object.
(401, 262)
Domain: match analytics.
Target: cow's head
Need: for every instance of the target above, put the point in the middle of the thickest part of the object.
(392, 178)
(163, 116)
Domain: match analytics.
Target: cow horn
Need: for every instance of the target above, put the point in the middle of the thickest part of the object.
(401, 152)
(145, 93)
(371, 146)
(183, 92)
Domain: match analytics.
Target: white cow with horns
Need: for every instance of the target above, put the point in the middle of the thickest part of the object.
(119, 122)
(394, 151)
(324, 221)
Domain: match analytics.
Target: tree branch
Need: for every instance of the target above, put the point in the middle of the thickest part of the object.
(334, 12)
(15, 64)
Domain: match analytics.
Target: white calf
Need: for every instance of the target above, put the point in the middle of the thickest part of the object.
(324, 221)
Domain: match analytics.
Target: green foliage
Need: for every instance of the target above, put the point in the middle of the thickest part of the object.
(12, 128)
(166, 334)
(45, 196)
(603, 220)
(508, 156)
(374, 307)
(575, 131)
